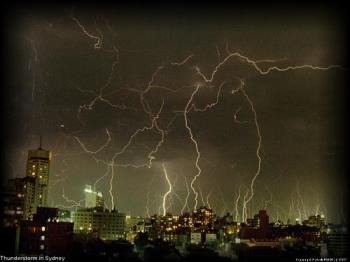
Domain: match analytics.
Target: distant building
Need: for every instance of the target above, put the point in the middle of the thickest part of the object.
(258, 227)
(168, 227)
(108, 225)
(185, 221)
(315, 221)
(135, 224)
(93, 198)
(203, 219)
(261, 220)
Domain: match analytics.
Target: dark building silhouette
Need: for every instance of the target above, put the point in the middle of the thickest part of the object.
(44, 234)
(257, 228)
(12, 197)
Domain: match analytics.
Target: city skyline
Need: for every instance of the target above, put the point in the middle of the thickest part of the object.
(154, 110)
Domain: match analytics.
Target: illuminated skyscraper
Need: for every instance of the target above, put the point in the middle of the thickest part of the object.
(37, 180)
(93, 198)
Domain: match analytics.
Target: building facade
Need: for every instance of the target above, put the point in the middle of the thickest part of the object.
(13, 202)
(44, 235)
(108, 225)
(36, 181)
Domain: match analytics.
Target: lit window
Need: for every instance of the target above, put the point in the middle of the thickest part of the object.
(33, 173)
(43, 229)
(42, 247)
(42, 237)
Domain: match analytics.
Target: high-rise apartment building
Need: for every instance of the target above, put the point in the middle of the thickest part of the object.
(36, 181)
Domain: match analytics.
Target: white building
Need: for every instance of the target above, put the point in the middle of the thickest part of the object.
(109, 225)
(92, 198)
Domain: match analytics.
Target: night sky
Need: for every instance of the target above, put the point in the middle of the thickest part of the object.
(87, 79)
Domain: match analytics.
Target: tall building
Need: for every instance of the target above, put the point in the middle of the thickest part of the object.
(22, 196)
(93, 198)
(36, 180)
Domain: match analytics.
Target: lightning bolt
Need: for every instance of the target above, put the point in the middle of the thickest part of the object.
(207, 199)
(98, 39)
(199, 170)
(103, 176)
(235, 117)
(244, 207)
(223, 200)
(317, 209)
(291, 207)
(200, 193)
(182, 62)
(300, 198)
(147, 204)
(255, 65)
(168, 192)
(147, 196)
(236, 203)
(73, 202)
(269, 200)
(36, 60)
(187, 196)
(299, 212)
(99, 149)
(208, 106)
(111, 187)
(241, 88)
